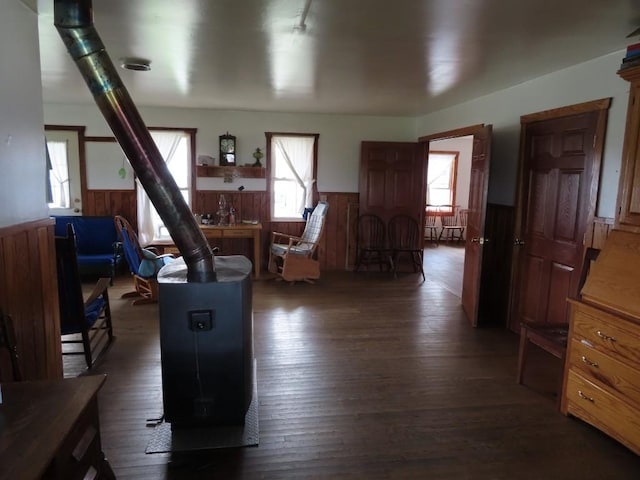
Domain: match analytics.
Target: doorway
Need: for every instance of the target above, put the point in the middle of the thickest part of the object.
(66, 169)
(477, 208)
(448, 179)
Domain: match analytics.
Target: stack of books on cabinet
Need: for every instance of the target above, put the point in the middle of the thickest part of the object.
(632, 57)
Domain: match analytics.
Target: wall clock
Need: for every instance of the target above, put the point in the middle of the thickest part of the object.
(227, 149)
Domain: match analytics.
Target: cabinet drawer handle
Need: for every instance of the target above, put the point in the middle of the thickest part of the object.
(585, 397)
(606, 337)
(589, 362)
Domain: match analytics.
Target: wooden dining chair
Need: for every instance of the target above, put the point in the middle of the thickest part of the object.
(84, 322)
(431, 224)
(372, 246)
(405, 239)
(450, 224)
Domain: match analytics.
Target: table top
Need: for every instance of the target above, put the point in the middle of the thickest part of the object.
(237, 226)
(36, 417)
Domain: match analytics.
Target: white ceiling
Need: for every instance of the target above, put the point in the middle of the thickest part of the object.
(382, 57)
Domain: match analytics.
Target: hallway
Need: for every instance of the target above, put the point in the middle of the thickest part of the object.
(444, 264)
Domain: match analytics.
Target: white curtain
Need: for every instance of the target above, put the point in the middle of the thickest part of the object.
(149, 221)
(297, 152)
(59, 174)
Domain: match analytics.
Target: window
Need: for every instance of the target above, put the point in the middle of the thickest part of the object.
(292, 166)
(441, 179)
(177, 150)
(63, 169)
(57, 161)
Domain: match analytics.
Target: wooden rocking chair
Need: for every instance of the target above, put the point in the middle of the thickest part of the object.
(294, 258)
(86, 322)
(143, 264)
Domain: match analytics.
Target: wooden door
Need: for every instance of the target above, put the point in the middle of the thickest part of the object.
(560, 170)
(392, 179)
(480, 159)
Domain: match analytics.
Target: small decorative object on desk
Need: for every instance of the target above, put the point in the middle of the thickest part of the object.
(223, 211)
(232, 215)
(258, 156)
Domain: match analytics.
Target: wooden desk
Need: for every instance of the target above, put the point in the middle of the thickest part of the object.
(214, 232)
(240, 230)
(51, 429)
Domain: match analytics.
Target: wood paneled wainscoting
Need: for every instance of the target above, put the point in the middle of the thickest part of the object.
(29, 295)
(255, 206)
(249, 206)
(111, 203)
(496, 265)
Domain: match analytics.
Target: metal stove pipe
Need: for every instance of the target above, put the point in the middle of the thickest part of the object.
(74, 22)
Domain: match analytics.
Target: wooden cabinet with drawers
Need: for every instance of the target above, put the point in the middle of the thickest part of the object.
(628, 211)
(602, 369)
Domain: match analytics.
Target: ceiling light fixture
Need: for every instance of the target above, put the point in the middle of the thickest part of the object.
(135, 63)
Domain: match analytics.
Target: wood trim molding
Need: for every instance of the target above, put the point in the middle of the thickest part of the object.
(601, 104)
(458, 132)
(101, 139)
(82, 154)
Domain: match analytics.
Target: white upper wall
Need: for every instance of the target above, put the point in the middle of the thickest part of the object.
(340, 135)
(22, 161)
(580, 83)
(338, 145)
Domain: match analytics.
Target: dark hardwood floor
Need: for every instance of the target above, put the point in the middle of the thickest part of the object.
(362, 376)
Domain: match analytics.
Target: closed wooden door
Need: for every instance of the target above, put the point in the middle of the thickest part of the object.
(392, 179)
(475, 239)
(560, 166)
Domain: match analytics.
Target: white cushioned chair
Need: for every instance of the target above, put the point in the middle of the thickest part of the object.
(295, 258)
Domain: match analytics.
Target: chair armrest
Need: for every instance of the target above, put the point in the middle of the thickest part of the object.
(98, 289)
(285, 235)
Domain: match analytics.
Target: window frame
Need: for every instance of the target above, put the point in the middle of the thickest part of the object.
(191, 132)
(270, 170)
(446, 208)
(79, 131)
(191, 140)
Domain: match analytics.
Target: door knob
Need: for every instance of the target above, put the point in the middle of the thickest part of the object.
(480, 240)
(517, 242)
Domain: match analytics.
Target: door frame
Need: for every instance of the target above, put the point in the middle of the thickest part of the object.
(79, 130)
(601, 106)
(473, 130)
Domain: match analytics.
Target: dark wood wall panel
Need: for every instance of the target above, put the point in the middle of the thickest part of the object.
(339, 232)
(255, 206)
(112, 202)
(496, 265)
(28, 293)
